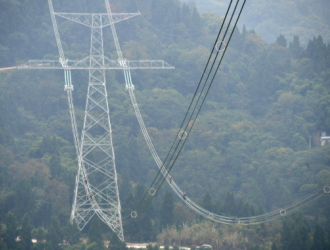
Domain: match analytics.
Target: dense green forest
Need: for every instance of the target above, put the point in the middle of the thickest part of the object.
(247, 154)
(305, 18)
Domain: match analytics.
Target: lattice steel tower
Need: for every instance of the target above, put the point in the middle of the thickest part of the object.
(96, 189)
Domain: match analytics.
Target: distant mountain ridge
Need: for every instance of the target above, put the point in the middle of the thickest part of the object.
(305, 18)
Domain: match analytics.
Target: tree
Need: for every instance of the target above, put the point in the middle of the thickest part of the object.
(241, 209)
(274, 246)
(116, 243)
(145, 227)
(281, 41)
(296, 233)
(286, 232)
(149, 247)
(23, 198)
(296, 242)
(207, 202)
(244, 31)
(3, 246)
(319, 241)
(55, 166)
(11, 232)
(95, 233)
(295, 48)
(93, 246)
(21, 245)
(298, 142)
(218, 207)
(72, 233)
(25, 232)
(166, 211)
(128, 205)
(40, 238)
(54, 235)
(230, 206)
(196, 20)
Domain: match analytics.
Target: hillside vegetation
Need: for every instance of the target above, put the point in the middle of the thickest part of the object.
(248, 152)
(306, 18)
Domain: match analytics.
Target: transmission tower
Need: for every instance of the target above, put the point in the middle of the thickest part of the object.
(96, 161)
(96, 189)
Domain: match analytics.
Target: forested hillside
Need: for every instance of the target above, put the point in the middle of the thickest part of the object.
(248, 152)
(306, 18)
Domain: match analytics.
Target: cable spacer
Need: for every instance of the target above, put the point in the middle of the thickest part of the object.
(218, 49)
(326, 189)
(237, 221)
(182, 135)
(152, 191)
(282, 212)
(133, 214)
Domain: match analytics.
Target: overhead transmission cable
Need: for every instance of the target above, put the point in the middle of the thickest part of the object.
(166, 167)
(191, 103)
(159, 178)
(69, 88)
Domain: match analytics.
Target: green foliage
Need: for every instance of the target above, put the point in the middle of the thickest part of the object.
(116, 243)
(251, 137)
(72, 233)
(274, 246)
(3, 246)
(25, 232)
(269, 18)
(54, 235)
(80, 246)
(93, 246)
(296, 233)
(55, 166)
(207, 202)
(145, 227)
(40, 236)
(95, 238)
(23, 198)
(319, 241)
(44, 145)
(149, 247)
(140, 229)
(166, 212)
(230, 206)
(11, 231)
(281, 41)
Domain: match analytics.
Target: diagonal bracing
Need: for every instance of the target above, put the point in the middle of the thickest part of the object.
(96, 189)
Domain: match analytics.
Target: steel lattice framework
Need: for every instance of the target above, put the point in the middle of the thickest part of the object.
(96, 189)
(96, 160)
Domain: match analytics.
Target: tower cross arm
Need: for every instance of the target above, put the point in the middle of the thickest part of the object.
(108, 64)
(104, 20)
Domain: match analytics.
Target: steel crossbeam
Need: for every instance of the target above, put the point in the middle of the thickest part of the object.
(86, 64)
(95, 153)
(103, 20)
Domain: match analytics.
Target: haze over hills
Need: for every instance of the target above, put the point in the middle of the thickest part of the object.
(307, 18)
(248, 152)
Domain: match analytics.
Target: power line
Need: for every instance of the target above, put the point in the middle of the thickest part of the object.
(165, 169)
(159, 179)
